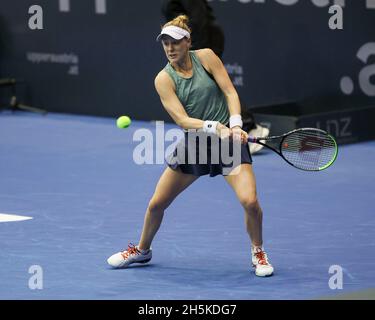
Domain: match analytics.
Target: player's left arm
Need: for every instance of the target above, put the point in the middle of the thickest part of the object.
(214, 65)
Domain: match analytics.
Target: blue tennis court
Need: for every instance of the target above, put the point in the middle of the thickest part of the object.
(76, 178)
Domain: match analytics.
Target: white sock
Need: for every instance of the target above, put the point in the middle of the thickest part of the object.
(143, 251)
(254, 248)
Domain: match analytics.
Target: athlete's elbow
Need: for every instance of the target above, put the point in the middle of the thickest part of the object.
(182, 122)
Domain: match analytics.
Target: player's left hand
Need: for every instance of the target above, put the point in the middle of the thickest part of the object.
(239, 134)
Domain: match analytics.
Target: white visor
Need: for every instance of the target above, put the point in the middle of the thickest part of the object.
(174, 32)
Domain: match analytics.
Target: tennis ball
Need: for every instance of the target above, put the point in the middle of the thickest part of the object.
(123, 122)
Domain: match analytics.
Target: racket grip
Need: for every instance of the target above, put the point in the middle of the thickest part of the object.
(252, 139)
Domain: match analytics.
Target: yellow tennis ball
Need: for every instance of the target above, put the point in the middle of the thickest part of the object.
(123, 122)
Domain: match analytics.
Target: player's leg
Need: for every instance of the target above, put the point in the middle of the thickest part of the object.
(244, 185)
(170, 185)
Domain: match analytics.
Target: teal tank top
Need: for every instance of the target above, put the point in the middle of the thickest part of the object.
(200, 95)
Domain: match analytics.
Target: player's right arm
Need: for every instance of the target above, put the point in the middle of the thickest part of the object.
(167, 92)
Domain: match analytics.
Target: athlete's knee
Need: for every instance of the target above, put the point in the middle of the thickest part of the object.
(250, 202)
(157, 205)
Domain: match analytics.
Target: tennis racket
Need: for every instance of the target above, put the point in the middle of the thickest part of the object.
(308, 149)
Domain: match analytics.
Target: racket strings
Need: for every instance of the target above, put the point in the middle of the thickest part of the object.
(309, 150)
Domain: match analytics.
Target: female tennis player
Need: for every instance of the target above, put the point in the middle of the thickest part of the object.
(196, 91)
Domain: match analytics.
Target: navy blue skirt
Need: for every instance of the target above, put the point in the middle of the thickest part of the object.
(203, 154)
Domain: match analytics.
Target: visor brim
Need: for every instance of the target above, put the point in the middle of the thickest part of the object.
(173, 35)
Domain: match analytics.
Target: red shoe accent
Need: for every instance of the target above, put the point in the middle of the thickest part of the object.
(132, 249)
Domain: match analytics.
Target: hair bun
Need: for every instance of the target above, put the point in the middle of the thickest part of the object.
(183, 18)
(181, 21)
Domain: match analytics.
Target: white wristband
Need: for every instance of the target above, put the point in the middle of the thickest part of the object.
(235, 120)
(210, 126)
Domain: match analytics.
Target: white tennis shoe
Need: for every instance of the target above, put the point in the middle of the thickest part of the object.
(260, 262)
(131, 255)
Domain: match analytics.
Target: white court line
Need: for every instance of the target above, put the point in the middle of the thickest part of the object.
(12, 217)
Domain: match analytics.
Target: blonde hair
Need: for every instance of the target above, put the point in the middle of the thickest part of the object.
(180, 21)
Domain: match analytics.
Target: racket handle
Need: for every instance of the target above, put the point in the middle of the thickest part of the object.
(252, 139)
